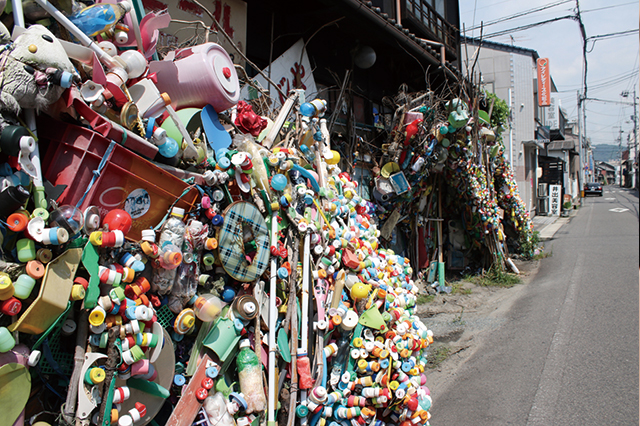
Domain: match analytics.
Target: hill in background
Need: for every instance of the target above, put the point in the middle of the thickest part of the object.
(606, 152)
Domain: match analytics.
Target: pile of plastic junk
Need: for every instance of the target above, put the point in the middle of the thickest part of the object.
(171, 257)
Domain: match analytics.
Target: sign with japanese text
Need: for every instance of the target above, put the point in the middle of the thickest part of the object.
(553, 113)
(291, 70)
(544, 82)
(554, 200)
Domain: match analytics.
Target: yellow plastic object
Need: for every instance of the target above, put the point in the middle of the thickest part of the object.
(54, 294)
(389, 169)
(15, 386)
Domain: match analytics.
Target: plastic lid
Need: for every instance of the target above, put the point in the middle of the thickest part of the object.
(250, 308)
(177, 211)
(125, 5)
(245, 343)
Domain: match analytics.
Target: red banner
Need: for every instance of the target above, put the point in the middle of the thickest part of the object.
(544, 82)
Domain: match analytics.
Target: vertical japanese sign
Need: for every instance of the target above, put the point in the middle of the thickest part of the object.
(554, 199)
(553, 113)
(544, 82)
(291, 70)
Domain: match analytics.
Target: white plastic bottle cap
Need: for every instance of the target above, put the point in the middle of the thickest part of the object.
(177, 211)
(34, 358)
(149, 235)
(125, 420)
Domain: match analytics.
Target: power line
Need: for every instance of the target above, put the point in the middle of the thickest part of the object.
(609, 7)
(600, 84)
(519, 14)
(601, 36)
(528, 26)
(608, 101)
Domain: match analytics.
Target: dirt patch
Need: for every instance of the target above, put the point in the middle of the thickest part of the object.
(460, 321)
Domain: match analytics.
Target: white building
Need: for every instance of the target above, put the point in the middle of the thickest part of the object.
(511, 73)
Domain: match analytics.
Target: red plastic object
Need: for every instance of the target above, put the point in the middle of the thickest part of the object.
(207, 383)
(118, 219)
(202, 394)
(11, 306)
(127, 181)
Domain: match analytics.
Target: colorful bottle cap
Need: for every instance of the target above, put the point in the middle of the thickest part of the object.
(7, 342)
(6, 287)
(23, 286)
(26, 249)
(97, 316)
(11, 306)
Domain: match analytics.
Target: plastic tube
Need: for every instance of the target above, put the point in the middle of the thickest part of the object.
(136, 27)
(304, 333)
(75, 31)
(273, 315)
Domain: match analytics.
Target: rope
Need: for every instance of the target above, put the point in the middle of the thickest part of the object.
(96, 173)
(185, 192)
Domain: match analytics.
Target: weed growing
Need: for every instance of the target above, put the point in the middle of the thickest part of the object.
(496, 277)
(437, 355)
(424, 298)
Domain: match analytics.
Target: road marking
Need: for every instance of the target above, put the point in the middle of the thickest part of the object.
(543, 407)
(609, 199)
(618, 210)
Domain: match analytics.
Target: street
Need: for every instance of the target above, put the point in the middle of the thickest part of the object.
(568, 351)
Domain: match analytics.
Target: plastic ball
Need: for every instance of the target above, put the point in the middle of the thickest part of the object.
(278, 182)
(118, 219)
(359, 291)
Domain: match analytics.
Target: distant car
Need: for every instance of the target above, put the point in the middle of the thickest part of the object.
(593, 188)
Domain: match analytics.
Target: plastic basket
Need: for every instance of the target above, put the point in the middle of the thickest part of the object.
(165, 316)
(127, 181)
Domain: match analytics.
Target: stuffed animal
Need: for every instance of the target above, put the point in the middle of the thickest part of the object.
(34, 71)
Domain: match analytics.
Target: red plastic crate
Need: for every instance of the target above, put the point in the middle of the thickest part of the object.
(127, 180)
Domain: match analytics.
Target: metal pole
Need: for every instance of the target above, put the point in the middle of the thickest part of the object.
(511, 132)
(635, 139)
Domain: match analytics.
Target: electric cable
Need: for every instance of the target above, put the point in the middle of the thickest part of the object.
(528, 26)
(519, 14)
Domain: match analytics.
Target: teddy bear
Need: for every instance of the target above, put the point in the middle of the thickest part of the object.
(34, 71)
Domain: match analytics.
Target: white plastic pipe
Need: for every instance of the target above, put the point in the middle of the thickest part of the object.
(136, 27)
(84, 39)
(304, 333)
(273, 316)
(30, 116)
(511, 133)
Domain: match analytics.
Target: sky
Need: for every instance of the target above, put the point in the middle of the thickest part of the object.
(612, 63)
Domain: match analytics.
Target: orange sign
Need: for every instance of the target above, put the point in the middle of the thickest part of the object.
(544, 82)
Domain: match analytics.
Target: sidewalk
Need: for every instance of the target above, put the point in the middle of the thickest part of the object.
(547, 226)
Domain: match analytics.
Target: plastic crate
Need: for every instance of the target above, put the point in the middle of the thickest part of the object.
(165, 316)
(58, 354)
(127, 181)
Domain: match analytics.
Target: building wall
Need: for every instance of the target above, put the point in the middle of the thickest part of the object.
(500, 72)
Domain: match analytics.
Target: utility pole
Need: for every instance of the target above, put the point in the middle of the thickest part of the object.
(580, 150)
(634, 161)
(633, 155)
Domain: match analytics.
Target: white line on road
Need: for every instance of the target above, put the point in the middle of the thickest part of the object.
(609, 199)
(618, 210)
(543, 409)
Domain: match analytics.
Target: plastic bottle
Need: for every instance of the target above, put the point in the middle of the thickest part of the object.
(185, 285)
(251, 378)
(315, 108)
(100, 17)
(207, 307)
(216, 408)
(171, 233)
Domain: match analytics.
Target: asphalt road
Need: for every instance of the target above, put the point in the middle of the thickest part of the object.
(568, 352)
